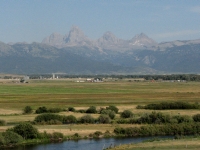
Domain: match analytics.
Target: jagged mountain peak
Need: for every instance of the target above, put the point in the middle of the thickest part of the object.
(54, 39)
(142, 40)
(75, 35)
(108, 38)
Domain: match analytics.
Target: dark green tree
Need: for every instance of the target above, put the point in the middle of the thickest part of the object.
(126, 114)
(28, 110)
(91, 110)
(26, 130)
(113, 108)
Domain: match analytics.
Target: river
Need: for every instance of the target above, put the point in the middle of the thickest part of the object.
(87, 144)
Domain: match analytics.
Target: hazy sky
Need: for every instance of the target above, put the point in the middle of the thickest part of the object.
(162, 20)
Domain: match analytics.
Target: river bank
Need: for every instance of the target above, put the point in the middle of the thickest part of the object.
(84, 144)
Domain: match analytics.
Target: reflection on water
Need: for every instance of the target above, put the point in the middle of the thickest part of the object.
(87, 144)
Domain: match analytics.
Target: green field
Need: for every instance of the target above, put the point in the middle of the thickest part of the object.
(187, 143)
(62, 93)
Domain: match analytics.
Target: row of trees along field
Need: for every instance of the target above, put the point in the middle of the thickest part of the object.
(185, 77)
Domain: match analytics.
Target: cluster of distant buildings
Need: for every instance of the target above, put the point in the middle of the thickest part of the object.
(89, 80)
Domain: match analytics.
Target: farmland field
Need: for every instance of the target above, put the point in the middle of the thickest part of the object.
(64, 93)
(61, 93)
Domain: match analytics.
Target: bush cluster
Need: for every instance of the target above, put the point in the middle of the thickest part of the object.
(127, 121)
(196, 118)
(113, 108)
(43, 109)
(69, 119)
(72, 109)
(55, 136)
(170, 105)
(167, 129)
(9, 138)
(49, 118)
(158, 118)
(108, 112)
(103, 118)
(91, 110)
(26, 130)
(126, 114)
(96, 134)
(154, 118)
(28, 110)
(181, 119)
(2, 122)
(87, 119)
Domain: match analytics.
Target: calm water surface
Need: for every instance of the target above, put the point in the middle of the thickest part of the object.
(87, 144)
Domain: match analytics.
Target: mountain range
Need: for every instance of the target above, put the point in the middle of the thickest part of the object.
(75, 53)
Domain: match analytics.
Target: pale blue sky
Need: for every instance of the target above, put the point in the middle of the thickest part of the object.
(162, 20)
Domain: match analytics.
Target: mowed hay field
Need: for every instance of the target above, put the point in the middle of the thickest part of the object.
(65, 93)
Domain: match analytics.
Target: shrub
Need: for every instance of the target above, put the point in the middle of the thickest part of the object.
(87, 119)
(132, 120)
(26, 130)
(76, 136)
(181, 119)
(54, 110)
(97, 134)
(49, 118)
(44, 135)
(173, 120)
(167, 129)
(91, 110)
(108, 112)
(57, 135)
(41, 110)
(123, 121)
(171, 105)
(104, 119)
(196, 118)
(113, 108)
(2, 122)
(154, 117)
(2, 140)
(69, 119)
(28, 110)
(127, 121)
(107, 134)
(119, 130)
(9, 137)
(126, 114)
(72, 109)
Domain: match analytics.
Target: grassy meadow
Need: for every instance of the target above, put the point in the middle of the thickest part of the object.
(64, 93)
(187, 143)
